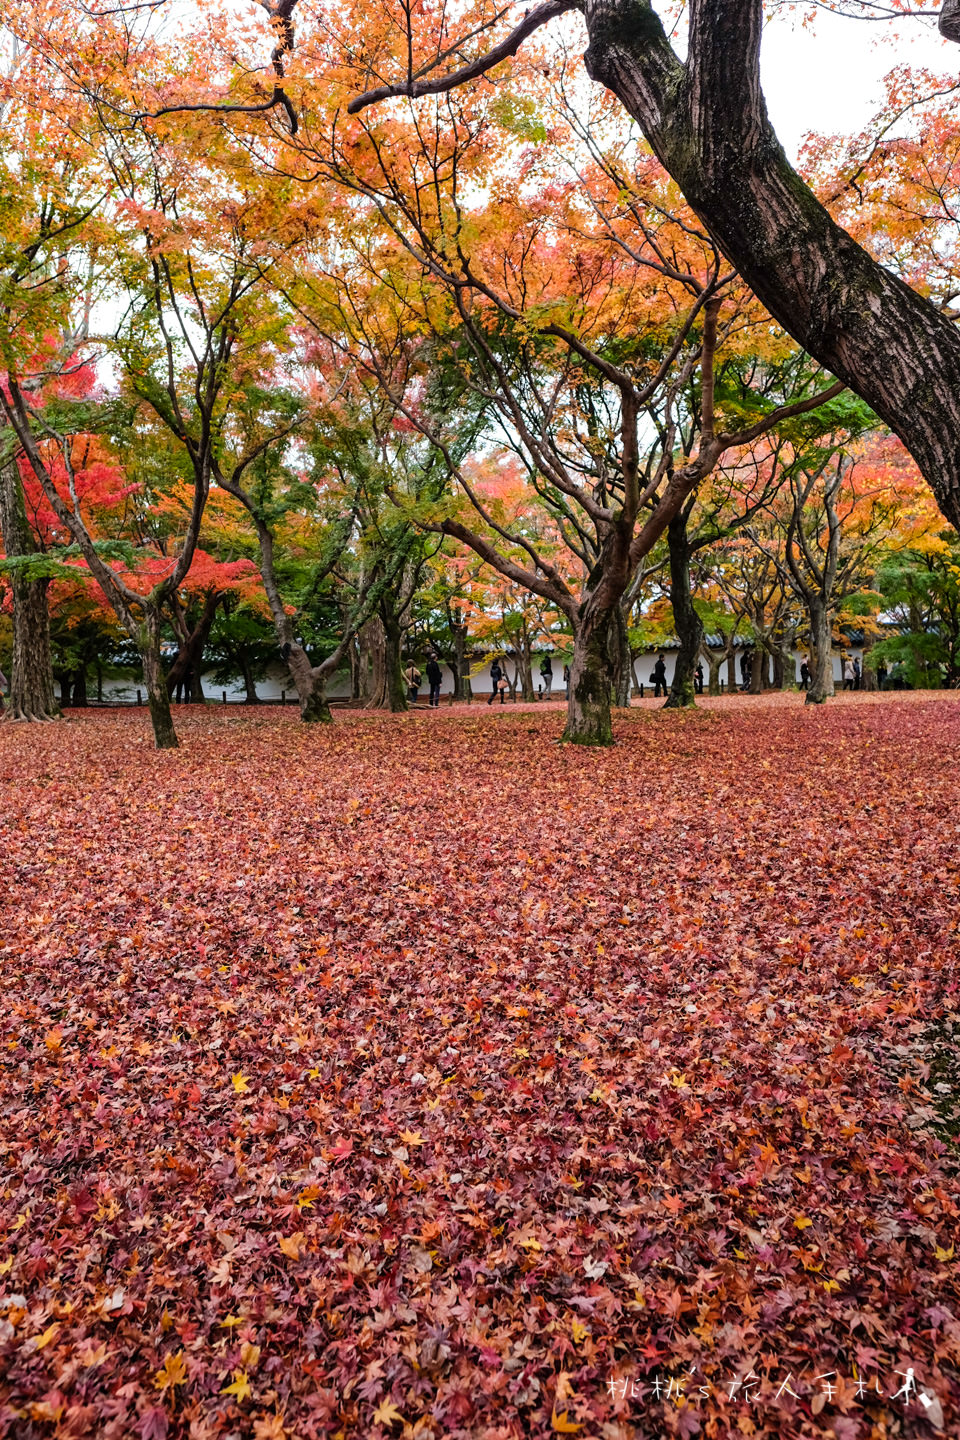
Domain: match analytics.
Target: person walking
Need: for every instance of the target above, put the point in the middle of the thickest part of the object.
(413, 678)
(496, 676)
(804, 675)
(659, 677)
(698, 678)
(857, 673)
(566, 682)
(881, 676)
(746, 669)
(434, 677)
(546, 675)
(847, 673)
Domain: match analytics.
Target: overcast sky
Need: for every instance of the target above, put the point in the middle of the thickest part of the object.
(829, 79)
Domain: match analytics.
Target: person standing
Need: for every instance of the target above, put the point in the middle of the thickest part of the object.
(847, 673)
(857, 673)
(413, 677)
(434, 677)
(804, 675)
(496, 675)
(746, 669)
(659, 677)
(881, 676)
(698, 678)
(546, 675)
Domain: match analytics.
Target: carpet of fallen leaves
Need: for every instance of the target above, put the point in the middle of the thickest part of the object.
(419, 1076)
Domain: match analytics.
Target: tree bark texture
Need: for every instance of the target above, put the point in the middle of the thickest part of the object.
(686, 621)
(821, 639)
(31, 678)
(707, 122)
(158, 696)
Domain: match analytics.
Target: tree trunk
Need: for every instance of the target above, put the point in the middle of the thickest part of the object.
(706, 120)
(186, 669)
(80, 688)
(622, 660)
(460, 678)
(249, 684)
(821, 641)
(686, 621)
(31, 677)
(394, 683)
(868, 673)
(715, 664)
(311, 688)
(591, 679)
(158, 695)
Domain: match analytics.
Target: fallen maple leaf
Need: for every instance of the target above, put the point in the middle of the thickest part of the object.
(241, 1084)
(387, 1413)
(172, 1372)
(239, 1386)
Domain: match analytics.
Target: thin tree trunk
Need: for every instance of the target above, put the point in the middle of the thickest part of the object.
(158, 695)
(686, 621)
(714, 665)
(622, 660)
(31, 677)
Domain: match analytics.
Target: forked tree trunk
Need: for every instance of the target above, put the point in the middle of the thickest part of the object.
(821, 637)
(158, 696)
(31, 677)
(310, 686)
(686, 621)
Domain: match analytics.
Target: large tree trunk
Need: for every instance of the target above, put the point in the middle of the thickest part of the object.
(31, 678)
(591, 678)
(158, 695)
(821, 640)
(707, 122)
(310, 686)
(686, 621)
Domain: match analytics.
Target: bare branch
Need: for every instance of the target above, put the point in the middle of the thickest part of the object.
(532, 21)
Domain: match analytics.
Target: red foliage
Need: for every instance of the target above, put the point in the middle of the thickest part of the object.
(368, 1076)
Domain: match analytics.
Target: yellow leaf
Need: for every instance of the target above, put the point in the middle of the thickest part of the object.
(250, 1355)
(412, 1137)
(172, 1372)
(802, 1222)
(579, 1331)
(562, 1425)
(240, 1386)
(6, 1266)
(387, 1413)
(529, 1243)
(53, 1040)
(231, 1321)
(830, 1286)
(241, 1084)
(945, 1254)
(290, 1245)
(48, 1335)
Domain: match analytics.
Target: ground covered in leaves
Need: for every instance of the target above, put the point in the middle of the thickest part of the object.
(418, 1076)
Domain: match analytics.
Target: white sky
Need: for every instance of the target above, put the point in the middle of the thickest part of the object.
(828, 79)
